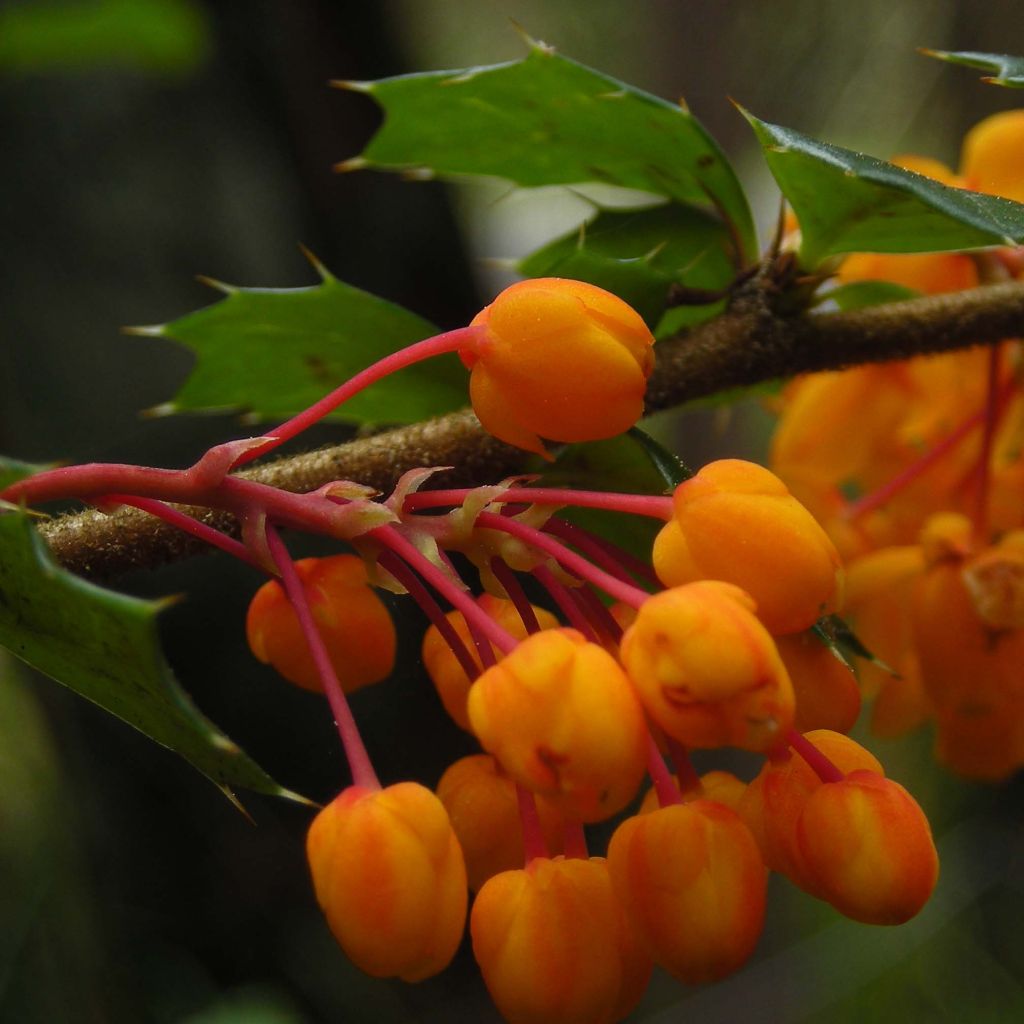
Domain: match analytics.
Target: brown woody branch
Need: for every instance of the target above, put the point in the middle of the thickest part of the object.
(749, 343)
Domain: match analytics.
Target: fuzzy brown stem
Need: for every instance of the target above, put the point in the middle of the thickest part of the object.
(748, 344)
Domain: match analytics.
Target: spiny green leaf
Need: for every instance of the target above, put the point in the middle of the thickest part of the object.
(104, 646)
(850, 202)
(639, 253)
(1005, 69)
(546, 120)
(273, 352)
(861, 294)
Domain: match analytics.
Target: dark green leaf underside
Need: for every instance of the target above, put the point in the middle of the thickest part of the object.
(639, 253)
(104, 646)
(849, 202)
(546, 120)
(273, 352)
(12, 470)
(1003, 68)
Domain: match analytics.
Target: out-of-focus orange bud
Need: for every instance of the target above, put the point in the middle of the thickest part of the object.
(738, 523)
(484, 811)
(869, 849)
(389, 876)
(562, 719)
(693, 882)
(561, 360)
(963, 614)
(879, 589)
(554, 946)
(827, 694)
(353, 622)
(771, 805)
(930, 273)
(442, 666)
(706, 668)
(993, 155)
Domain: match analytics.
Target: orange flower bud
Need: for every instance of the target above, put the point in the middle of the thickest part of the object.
(737, 522)
(868, 847)
(555, 947)
(355, 625)
(827, 694)
(693, 882)
(993, 154)
(720, 786)
(771, 805)
(563, 720)
(561, 360)
(389, 876)
(707, 670)
(443, 667)
(484, 811)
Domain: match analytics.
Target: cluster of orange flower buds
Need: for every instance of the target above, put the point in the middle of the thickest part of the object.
(915, 470)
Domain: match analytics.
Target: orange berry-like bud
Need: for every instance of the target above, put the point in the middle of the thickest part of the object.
(707, 670)
(738, 522)
(563, 720)
(771, 805)
(389, 876)
(442, 666)
(482, 805)
(827, 694)
(868, 847)
(693, 882)
(561, 360)
(354, 623)
(720, 786)
(993, 154)
(554, 945)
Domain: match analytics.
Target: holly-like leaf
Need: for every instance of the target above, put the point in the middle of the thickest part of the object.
(849, 202)
(639, 253)
(546, 120)
(104, 646)
(273, 352)
(1004, 69)
(861, 294)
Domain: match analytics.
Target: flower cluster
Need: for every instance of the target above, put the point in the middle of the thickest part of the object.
(915, 470)
(712, 644)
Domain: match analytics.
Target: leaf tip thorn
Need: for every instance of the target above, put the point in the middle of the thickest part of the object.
(158, 411)
(314, 262)
(353, 163)
(145, 331)
(220, 286)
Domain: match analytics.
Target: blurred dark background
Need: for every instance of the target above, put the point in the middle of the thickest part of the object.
(147, 141)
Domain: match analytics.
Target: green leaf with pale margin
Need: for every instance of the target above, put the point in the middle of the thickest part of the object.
(105, 646)
(272, 352)
(861, 294)
(546, 120)
(639, 253)
(835, 633)
(1004, 69)
(849, 202)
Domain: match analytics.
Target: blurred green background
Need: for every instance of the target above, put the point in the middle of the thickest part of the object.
(146, 141)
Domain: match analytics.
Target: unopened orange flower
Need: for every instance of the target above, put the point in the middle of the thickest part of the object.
(736, 521)
(390, 878)
(554, 945)
(561, 360)
(562, 719)
(355, 625)
(693, 882)
(707, 670)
